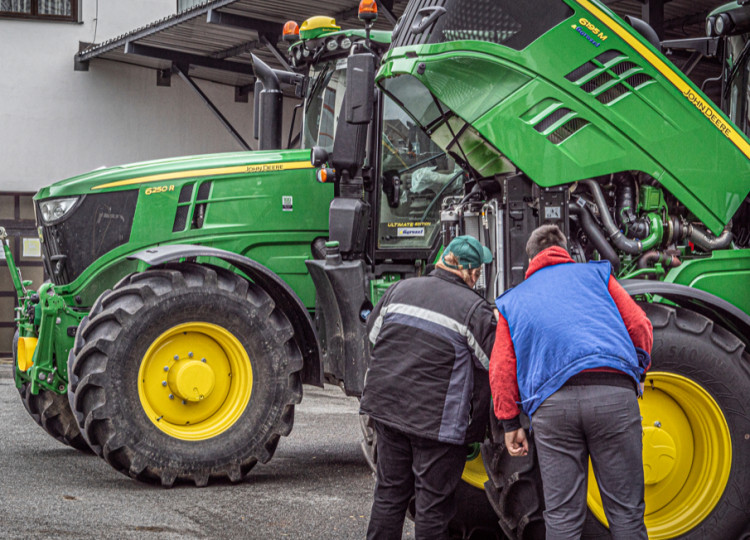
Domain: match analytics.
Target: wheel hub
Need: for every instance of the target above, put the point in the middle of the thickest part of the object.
(659, 453)
(687, 455)
(195, 381)
(191, 380)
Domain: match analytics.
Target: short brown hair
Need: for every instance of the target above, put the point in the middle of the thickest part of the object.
(544, 237)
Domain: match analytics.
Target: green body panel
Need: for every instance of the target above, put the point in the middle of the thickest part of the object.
(506, 93)
(726, 274)
(243, 212)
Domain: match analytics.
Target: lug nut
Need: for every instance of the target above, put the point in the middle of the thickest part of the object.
(190, 355)
(176, 357)
(184, 402)
(203, 360)
(166, 368)
(171, 396)
(164, 383)
(657, 424)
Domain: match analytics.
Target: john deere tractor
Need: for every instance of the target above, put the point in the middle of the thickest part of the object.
(191, 298)
(560, 111)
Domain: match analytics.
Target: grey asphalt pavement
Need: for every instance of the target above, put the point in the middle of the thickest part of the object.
(317, 486)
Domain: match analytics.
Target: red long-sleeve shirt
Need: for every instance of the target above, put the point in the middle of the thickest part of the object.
(503, 381)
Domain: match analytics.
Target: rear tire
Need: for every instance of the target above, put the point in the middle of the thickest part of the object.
(51, 412)
(705, 371)
(696, 415)
(183, 428)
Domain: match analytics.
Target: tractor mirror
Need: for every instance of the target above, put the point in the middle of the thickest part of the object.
(360, 88)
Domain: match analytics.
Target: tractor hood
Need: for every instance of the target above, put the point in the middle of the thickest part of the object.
(566, 91)
(160, 172)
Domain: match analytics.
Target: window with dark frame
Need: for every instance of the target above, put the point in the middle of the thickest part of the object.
(48, 10)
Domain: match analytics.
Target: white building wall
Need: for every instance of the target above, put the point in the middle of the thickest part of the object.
(56, 122)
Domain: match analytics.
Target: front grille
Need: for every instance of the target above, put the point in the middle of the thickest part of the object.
(100, 223)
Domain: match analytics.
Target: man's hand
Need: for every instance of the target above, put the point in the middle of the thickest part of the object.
(516, 443)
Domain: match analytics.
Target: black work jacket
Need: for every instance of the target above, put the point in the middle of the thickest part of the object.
(432, 340)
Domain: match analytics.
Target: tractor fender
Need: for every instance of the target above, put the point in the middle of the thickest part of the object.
(281, 293)
(717, 309)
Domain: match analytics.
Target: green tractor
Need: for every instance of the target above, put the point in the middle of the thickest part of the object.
(191, 298)
(561, 112)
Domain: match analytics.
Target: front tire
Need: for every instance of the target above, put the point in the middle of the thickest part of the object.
(185, 373)
(51, 412)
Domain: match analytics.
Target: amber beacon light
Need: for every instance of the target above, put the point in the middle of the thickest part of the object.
(368, 11)
(291, 31)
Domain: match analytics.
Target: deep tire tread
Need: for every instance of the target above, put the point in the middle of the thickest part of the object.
(108, 320)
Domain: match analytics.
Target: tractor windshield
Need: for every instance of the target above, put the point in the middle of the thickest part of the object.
(325, 96)
(410, 207)
(738, 81)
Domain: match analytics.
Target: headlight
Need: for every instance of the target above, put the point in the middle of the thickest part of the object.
(332, 45)
(346, 43)
(56, 209)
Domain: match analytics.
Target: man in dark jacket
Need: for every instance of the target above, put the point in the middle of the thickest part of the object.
(432, 338)
(571, 347)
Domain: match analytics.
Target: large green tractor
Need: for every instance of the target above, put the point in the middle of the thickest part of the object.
(562, 112)
(191, 298)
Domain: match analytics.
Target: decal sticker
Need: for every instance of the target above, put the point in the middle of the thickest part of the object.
(410, 231)
(397, 224)
(585, 34)
(287, 202)
(159, 189)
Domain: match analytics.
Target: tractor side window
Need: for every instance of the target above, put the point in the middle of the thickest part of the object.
(417, 175)
(323, 104)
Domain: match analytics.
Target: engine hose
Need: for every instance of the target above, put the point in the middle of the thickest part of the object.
(595, 234)
(707, 241)
(651, 257)
(624, 213)
(633, 247)
(656, 230)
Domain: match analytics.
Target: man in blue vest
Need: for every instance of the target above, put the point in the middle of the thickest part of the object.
(572, 347)
(427, 390)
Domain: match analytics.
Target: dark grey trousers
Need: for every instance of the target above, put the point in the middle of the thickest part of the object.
(411, 466)
(602, 422)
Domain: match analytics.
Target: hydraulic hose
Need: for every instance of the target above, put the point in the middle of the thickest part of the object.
(633, 247)
(595, 234)
(707, 241)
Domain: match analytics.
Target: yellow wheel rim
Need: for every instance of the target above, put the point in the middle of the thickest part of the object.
(474, 472)
(195, 381)
(687, 456)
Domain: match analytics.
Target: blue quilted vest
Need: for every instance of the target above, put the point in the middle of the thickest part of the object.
(563, 320)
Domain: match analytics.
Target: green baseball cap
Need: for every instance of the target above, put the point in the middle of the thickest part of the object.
(470, 253)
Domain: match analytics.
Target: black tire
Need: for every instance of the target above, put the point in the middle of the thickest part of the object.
(691, 346)
(694, 347)
(111, 345)
(514, 486)
(51, 412)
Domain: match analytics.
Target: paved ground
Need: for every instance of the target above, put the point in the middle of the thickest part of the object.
(317, 486)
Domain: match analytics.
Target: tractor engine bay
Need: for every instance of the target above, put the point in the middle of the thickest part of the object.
(626, 218)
